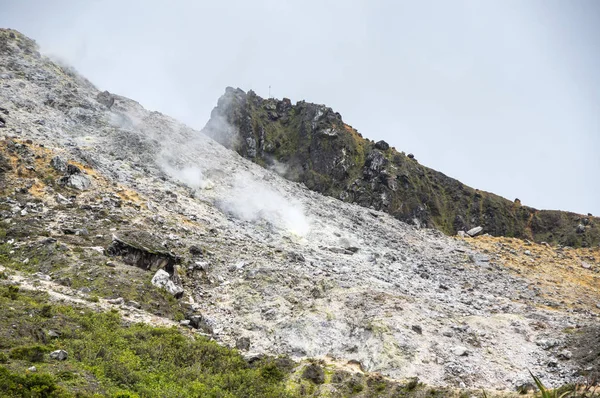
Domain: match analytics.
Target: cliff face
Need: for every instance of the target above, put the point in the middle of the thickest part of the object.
(310, 143)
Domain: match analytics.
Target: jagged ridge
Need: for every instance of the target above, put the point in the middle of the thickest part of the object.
(329, 156)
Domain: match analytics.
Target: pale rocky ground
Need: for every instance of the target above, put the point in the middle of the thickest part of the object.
(297, 273)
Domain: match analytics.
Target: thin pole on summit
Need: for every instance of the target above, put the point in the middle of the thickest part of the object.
(269, 91)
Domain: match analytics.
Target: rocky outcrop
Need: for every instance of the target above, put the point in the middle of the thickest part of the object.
(141, 249)
(316, 147)
(106, 99)
(73, 178)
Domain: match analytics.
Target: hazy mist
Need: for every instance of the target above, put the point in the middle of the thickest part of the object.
(503, 95)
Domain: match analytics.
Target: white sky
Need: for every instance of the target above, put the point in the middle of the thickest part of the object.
(502, 95)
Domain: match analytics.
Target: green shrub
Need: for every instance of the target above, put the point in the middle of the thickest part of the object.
(28, 385)
(117, 359)
(34, 353)
(271, 373)
(46, 311)
(548, 393)
(11, 292)
(125, 394)
(93, 298)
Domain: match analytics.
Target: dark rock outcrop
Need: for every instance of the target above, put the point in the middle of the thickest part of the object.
(314, 373)
(331, 157)
(142, 250)
(73, 178)
(106, 99)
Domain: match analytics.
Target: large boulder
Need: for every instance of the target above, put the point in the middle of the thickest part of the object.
(474, 231)
(59, 355)
(384, 146)
(58, 164)
(162, 279)
(78, 181)
(73, 178)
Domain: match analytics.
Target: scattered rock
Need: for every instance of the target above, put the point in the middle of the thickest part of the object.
(106, 99)
(384, 146)
(474, 231)
(41, 276)
(565, 354)
(201, 265)
(32, 369)
(59, 164)
(411, 156)
(524, 387)
(117, 301)
(53, 334)
(134, 304)
(314, 373)
(162, 280)
(462, 234)
(417, 329)
(197, 321)
(243, 343)
(460, 351)
(196, 250)
(580, 228)
(546, 344)
(62, 200)
(76, 181)
(72, 169)
(59, 355)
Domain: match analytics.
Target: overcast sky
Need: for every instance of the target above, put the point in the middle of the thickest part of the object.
(502, 95)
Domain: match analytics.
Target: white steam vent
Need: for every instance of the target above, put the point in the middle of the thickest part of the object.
(250, 199)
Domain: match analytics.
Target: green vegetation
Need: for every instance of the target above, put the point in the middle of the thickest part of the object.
(546, 393)
(107, 357)
(91, 273)
(29, 385)
(110, 358)
(563, 392)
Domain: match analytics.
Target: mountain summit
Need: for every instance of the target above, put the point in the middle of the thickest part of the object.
(310, 143)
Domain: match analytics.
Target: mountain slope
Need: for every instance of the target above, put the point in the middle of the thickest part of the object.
(98, 192)
(311, 144)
